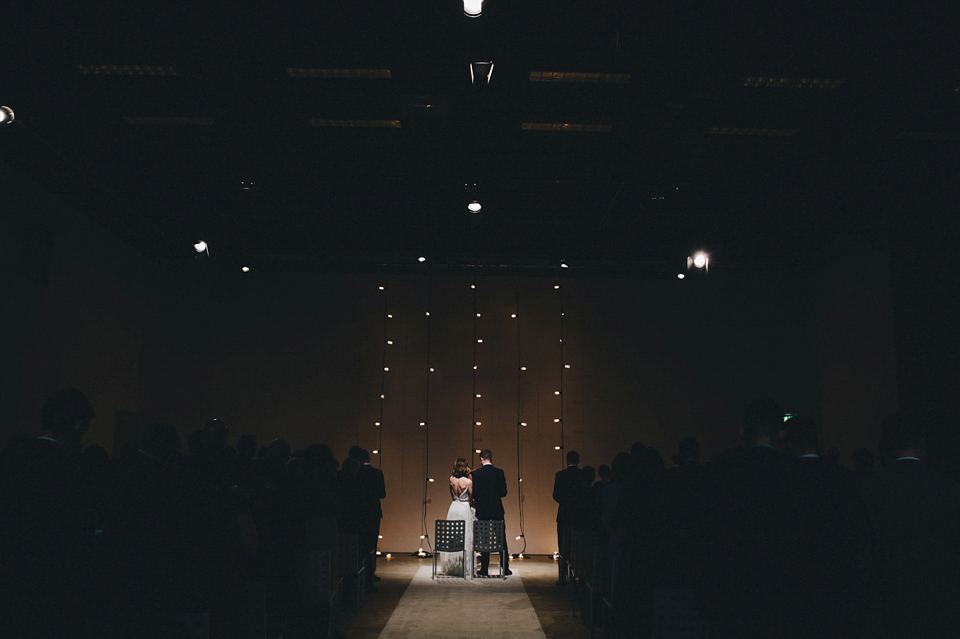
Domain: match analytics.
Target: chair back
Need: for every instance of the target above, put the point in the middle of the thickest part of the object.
(449, 536)
(488, 535)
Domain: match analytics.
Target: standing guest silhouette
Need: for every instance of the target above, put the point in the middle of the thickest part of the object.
(372, 489)
(905, 545)
(489, 487)
(566, 485)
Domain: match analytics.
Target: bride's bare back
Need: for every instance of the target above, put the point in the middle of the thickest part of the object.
(460, 484)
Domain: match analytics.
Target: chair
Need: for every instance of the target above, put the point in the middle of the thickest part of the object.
(676, 615)
(449, 536)
(351, 565)
(319, 593)
(489, 536)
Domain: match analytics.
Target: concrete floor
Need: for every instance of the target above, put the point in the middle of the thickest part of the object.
(537, 574)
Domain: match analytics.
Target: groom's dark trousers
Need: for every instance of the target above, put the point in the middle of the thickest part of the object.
(489, 487)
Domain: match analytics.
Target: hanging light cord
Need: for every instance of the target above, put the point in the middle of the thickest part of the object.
(383, 374)
(562, 443)
(523, 536)
(426, 425)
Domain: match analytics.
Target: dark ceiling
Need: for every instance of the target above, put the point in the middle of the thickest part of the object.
(733, 126)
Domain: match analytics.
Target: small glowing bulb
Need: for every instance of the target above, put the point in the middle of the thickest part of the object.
(474, 207)
(479, 341)
(378, 554)
(563, 265)
(380, 287)
(478, 314)
(431, 369)
(556, 421)
(430, 480)
(375, 451)
(379, 537)
(521, 479)
(513, 314)
(473, 286)
(520, 555)
(699, 260)
(479, 424)
(389, 316)
(478, 394)
(556, 392)
(421, 259)
(477, 451)
(566, 365)
(557, 286)
(200, 246)
(389, 556)
(556, 448)
(523, 368)
(423, 423)
(428, 313)
(474, 367)
(556, 554)
(376, 423)
(680, 276)
(422, 537)
(517, 537)
(523, 423)
(389, 342)
(245, 269)
(386, 368)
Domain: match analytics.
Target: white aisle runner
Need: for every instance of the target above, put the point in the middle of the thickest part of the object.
(451, 608)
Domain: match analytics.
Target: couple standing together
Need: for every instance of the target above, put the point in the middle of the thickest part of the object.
(476, 495)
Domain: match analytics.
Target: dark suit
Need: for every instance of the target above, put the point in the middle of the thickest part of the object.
(371, 488)
(489, 487)
(906, 551)
(566, 485)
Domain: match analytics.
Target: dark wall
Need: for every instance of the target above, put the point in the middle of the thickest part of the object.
(71, 310)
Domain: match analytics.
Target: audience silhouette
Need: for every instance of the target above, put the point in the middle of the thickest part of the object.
(769, 539)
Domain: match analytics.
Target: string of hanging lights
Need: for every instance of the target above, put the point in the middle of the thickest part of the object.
(425, 424)
(520, 424)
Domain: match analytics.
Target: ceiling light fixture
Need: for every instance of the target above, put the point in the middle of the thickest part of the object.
(6, 115)
(480, 70)
(699, 260)
(474, 207)
(472, 8)
(201, 247)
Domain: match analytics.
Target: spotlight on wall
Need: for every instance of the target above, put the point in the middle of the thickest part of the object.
(481, 72)
(6, 115)
(699, 260)
(472, 8)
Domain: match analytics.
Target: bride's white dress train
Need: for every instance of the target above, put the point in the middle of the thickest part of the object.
(451, 563)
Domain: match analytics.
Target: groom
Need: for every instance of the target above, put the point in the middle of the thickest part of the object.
(489, 487)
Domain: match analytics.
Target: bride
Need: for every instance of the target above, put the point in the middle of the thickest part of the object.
(461, 490)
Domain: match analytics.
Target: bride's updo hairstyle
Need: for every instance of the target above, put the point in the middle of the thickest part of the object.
(461, 468)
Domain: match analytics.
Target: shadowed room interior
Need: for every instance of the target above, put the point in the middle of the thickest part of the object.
(259, 214)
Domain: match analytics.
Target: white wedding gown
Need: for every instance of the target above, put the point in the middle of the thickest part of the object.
(451, 563)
